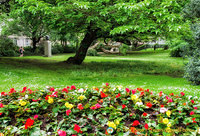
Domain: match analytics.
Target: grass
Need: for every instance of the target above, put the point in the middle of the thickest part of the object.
(148, 69)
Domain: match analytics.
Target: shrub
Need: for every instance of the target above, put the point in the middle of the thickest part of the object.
(176, 52)
(123, 49)
(7, 47)
(192, 70)
(92, 111)
(92, 52)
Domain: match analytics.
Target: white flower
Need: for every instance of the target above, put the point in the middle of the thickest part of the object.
(26, 96)
(139, 103)
(198, 130)
(163, 110)
(81, 90)
(49, 133)
(189, 97)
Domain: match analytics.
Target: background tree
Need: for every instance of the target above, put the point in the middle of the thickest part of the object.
(192, 71)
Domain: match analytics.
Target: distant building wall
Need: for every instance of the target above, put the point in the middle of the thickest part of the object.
(20, 40)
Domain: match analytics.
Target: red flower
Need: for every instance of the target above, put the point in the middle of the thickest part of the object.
(73, 87)
(1, 113)
(160, 94)
(135, 123)
(29, 123)
(192, 101)
(93, 107)
(61, 133)
(103, 95)
(170, 100)
(107, 84)
(147, 90)
(30, 91)
(118, 95)
(149, 105)
(194, 120)
(1, 105)
(192, 113)
(142, 93)
(34, 100)
(77, 128)
(127, 90)
(123, 106)
(80, 106)
(3, 93)
(145, 114)
(47, 97)
(182, 93)
(146, 126)
(68, 112)
(24, 89)
(195, 108)
(161, 106)
(12, 90)
(52, 89)
(172, 94)
(65, 90)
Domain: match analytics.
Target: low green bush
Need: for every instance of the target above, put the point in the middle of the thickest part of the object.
(7, 47)
(92, 52)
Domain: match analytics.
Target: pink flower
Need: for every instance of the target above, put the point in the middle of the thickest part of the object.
(61, 133)
(192, 113)
(127, 90)
(107, 84)
(93, 107)
(98, 106)
(68, 112)
(170, 100)
(73, 87)
(195, 108)
(182, 93)
(123, 106)
(192, 101)
(1, 105)
(118, 95)
(146, 126)
(36, 116)
(54, 94)
(134, 91)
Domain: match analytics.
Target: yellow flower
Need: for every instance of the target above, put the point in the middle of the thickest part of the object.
(105, 90)
(154, 101)
(69, 105)
(81, 97)
(168, 129)
(1, 134)
(165, 120)
(168, 113)
(117, 122)
(169, 125)
(134, 97)
(22, 103)
(50, 100)
(111, 124)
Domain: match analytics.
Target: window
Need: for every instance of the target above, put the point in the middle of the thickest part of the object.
(15, 41)
(27, 42)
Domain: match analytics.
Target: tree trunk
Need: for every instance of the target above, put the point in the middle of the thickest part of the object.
(34, 42)
(85, 44)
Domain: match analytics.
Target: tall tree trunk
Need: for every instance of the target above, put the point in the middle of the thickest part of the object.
(34, 42)
(85, 44)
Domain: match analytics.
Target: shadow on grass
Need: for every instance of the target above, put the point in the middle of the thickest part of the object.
(119, 67)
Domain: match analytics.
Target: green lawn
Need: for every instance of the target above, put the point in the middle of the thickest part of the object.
(154, 70)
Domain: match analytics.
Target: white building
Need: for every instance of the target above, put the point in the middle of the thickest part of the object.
(20, 40)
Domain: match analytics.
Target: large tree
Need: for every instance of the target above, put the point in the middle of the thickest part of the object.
(115, 19)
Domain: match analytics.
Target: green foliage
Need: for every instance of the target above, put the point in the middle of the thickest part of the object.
(123, 49)
(7, 47)
(92, 52)
(192, 70)
(176, 51)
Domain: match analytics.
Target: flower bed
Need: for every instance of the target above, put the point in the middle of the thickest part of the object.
(97, 111)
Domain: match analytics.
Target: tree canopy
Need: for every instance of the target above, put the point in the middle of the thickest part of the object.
(119, 20)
